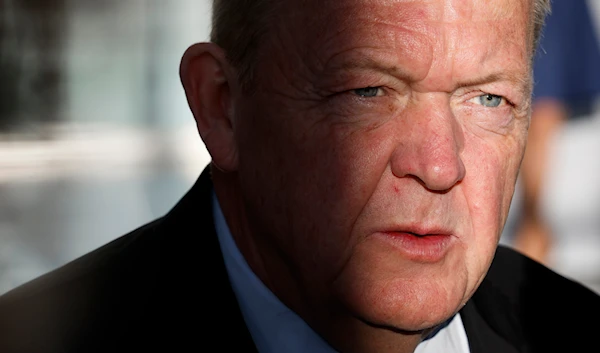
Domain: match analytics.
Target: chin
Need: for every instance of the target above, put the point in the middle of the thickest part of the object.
(401, 295)
(412, 314)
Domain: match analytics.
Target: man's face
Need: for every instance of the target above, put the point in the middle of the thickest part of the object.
(380, 150)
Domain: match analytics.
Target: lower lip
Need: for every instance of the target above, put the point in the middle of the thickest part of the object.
(428, 249)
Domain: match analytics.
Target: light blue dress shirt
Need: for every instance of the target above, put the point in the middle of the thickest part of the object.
(275, 328)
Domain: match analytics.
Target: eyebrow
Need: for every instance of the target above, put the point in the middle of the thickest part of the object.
(366, 62)
(524, 84)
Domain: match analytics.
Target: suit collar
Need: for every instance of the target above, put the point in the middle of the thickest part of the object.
(191, 245)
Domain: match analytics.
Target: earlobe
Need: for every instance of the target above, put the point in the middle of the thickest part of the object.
(205, 76)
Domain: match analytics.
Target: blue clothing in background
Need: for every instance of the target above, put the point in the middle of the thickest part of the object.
(567, 63)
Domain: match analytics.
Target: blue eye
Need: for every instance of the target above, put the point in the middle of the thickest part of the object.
(490, 100)
(368, 91)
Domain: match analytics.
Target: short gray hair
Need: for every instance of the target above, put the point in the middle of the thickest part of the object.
(541, 9)
(239, 25)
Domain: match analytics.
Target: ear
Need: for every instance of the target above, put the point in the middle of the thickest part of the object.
(205, 75)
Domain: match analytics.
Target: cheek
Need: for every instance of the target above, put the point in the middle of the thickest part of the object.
(491, 176)
(343, 170)
(313, 179)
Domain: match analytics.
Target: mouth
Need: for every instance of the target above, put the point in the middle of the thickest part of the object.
(424, 247)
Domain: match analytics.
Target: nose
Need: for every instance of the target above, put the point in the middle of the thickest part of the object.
(430, 144)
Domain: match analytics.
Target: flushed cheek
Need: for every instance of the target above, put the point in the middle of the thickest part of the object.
(326, 173)
(346, 171)
(348, 156)
(489, 184)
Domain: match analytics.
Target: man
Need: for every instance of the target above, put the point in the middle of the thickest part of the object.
(364, 156)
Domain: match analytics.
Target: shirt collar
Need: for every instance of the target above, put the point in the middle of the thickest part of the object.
(273, 326)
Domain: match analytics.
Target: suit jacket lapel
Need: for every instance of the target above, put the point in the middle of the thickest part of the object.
(482, 338)
(197, 247)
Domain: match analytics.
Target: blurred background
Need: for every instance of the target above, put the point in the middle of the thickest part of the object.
(555, 215)
(96, 137)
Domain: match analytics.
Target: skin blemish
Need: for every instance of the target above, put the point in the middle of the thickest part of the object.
(391, 107)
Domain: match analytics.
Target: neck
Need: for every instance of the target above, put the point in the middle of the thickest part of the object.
(352, 335)
(232, 205)
(258, 250)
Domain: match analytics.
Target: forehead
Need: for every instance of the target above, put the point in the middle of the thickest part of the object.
(447, 10)
(318, 20)
(435, 34)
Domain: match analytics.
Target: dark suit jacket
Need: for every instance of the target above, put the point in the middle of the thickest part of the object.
(164, 287)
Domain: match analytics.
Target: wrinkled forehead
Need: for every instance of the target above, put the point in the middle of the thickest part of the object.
(322, 16)
(433, 39)
(321, 26)
(434, 9)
